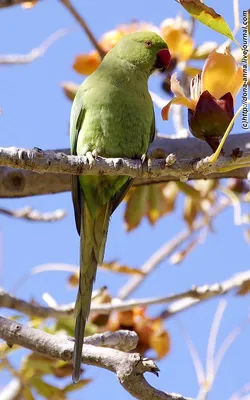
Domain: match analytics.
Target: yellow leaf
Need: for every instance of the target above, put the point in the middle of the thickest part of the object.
(191, 209)
(189, 190)
(136, 207)
(114, 266)
(208, 16)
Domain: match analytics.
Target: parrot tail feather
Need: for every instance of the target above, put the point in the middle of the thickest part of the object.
(92, 245)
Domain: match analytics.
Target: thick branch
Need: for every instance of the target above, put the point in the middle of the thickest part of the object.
(128, 367)
(190, 297)
(49, 161)
(21, 183)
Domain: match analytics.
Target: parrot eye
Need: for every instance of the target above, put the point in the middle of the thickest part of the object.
(148, 44)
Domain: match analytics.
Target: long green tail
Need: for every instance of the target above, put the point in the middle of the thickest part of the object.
(92, 245)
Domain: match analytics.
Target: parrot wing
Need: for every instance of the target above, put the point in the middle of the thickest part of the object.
(75, 184)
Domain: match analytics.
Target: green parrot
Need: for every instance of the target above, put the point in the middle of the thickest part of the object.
(112, 116)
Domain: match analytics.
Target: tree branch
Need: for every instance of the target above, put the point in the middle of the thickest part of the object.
(15, 59)
(49, 161)
(21, 183)
(84, 25)
(185, 299)
(128, 367)
(164, 252)
(33, 215)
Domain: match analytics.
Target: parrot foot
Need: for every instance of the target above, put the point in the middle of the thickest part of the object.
(146, 159)
(91, 157)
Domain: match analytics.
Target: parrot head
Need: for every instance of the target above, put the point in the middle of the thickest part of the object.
(145, 50)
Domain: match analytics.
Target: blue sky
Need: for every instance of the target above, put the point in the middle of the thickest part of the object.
(36, 113)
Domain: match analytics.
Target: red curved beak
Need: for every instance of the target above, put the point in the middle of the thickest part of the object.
(163, 59)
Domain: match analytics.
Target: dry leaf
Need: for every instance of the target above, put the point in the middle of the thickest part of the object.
(114, 266)
(29, 4)
(73, 280)
(191, 210)
(160, 343)
(179, 256)
(151, 201)
(244, 289)
(150, 331)
(69, 89)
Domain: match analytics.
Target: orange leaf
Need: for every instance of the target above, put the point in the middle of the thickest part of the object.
(69, 89)
(85, 64)
(73, 280)
(160, 342)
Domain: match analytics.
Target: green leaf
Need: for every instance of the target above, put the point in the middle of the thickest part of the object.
(208, 16)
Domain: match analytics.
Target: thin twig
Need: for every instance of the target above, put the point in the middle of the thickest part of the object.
(164, 252)
(192, 296)
(84, 25)
(15, 59)
(33, 215)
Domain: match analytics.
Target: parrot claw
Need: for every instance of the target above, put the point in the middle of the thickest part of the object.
(91, 157)
(146, 159)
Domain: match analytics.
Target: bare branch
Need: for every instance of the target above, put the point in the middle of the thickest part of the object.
(190, 297)
(128, 367)
(84, 25)
(164, 252)
(15, 59)
(30, 214)
(21, 183)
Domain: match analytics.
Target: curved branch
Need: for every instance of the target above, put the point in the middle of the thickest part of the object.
(128, 367)
(21, 183)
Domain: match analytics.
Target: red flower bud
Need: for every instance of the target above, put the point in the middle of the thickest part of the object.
(211, 117)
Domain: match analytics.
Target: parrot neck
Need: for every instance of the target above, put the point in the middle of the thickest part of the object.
(123, 70)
